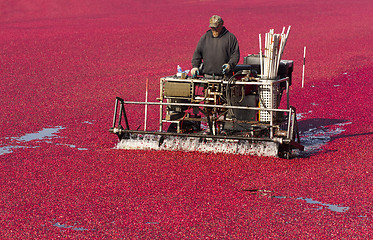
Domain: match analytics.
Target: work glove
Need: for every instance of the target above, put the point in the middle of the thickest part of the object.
(226, 68)
(194, 72)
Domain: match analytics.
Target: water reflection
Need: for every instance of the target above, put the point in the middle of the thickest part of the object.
(44, 135)
(316, 133)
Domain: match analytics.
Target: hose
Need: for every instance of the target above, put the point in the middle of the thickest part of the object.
(228, 93)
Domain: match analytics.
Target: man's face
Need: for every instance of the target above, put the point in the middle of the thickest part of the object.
(216, 31)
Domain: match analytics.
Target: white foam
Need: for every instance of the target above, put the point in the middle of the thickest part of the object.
(175, 143)
(303, 115)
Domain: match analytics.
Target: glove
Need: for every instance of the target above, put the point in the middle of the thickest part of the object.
(226, 68)
(194, 72)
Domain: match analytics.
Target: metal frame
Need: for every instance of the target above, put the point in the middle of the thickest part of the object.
(292, 128)
(274, 128)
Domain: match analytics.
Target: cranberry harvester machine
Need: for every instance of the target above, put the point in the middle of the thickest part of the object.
(239, 114)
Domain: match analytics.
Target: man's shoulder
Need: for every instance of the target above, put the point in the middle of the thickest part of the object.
(207, 34)
(230, 34)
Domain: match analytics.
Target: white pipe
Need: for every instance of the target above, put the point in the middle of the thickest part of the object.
(146, 105)
(264, 74)
(261, 56)
(270, 53)
(287, 34)
(304, 65)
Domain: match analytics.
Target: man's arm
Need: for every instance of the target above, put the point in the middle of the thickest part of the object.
(197, 55)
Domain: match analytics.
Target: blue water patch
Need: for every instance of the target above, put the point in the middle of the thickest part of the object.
(9, 149)
(64, 226)
(72, 146)
(44, 135)
(68, 145)
(331, 207)
(152, 223)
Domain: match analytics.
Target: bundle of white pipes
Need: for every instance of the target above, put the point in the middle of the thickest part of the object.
(273, 50)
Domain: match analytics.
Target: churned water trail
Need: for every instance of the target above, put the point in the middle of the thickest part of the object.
(316, 133)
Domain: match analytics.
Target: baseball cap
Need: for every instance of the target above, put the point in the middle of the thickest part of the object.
(215, 21)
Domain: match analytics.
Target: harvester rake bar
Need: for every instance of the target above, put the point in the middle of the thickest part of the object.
(205, 145)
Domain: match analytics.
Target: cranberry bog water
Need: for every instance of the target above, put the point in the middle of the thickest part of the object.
(62, 63)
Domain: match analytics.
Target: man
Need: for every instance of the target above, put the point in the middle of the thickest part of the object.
(218, 50)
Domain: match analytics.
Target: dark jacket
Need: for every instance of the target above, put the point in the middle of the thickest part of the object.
(214, 52)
